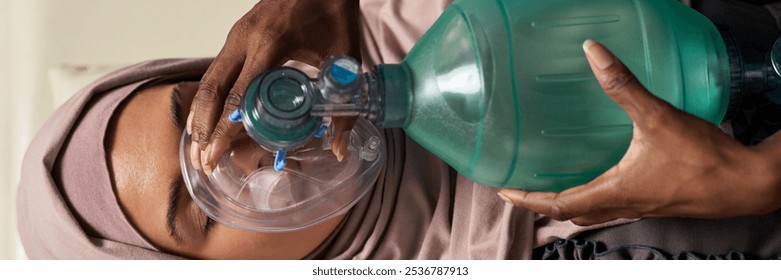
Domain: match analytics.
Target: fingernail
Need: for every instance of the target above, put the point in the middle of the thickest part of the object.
(190, 123)
(212, 156)
(343, 143)
(195, 156)
(206, 160)
(338, 153)
(207, 157)
(504, 197)
(598, 56)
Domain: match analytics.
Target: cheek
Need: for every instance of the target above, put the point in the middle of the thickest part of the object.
(229, 243)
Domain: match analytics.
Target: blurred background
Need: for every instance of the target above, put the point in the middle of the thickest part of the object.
(51, 48)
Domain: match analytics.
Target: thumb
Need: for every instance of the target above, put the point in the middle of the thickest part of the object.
(620, 83)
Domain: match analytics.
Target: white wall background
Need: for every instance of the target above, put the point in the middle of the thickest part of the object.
(45, 43)
(6, 207)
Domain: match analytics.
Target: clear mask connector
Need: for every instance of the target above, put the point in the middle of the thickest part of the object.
(283, 109)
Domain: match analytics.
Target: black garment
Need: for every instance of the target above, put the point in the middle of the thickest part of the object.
(752, 237)
(758, 27)
(752, 24)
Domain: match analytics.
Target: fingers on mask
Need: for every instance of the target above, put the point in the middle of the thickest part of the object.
(209, 99)
(342, 127)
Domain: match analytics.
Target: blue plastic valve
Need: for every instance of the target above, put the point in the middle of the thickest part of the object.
(342, 75)
(235, 116)
(279, 160)
(319, 133)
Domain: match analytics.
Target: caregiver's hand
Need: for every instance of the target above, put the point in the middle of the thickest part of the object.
(677, 165)
(269, 35)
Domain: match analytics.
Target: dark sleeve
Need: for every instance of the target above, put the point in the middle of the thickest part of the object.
(755, 24)
(750, 21)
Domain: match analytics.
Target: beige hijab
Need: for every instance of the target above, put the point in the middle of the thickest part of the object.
(66, 204)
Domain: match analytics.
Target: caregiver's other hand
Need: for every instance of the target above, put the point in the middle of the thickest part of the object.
(677, 165)
(269, 35)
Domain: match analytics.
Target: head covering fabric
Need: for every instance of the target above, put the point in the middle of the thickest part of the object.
(66, 204)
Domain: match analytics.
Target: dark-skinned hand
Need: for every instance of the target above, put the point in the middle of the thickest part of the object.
(677, 165)
(269, 35)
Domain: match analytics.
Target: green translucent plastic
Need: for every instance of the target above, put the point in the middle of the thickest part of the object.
(501, 90)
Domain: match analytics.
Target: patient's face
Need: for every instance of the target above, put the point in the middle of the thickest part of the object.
(143, 152)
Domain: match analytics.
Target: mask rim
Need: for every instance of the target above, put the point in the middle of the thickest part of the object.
(227, 211)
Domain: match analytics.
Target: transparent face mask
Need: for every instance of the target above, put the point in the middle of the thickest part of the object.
(244, 190)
